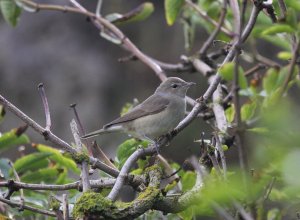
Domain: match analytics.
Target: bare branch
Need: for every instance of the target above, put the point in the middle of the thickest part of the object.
(283, 9)
(98, 153)
(22, 198)
(84, 165)
(292, 66)
(65, 207)
(245, 215)
(222, 212)
(98, 9)
(102, 183)
(207, 18)
(46, 106)
(34, 209)
(222, 156)
(214, 34)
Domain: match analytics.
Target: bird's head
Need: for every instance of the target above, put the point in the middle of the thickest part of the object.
(174, 86)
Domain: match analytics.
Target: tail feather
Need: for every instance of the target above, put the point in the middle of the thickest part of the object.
(102, 131)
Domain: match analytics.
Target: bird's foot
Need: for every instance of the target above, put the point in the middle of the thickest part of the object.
(156, 145)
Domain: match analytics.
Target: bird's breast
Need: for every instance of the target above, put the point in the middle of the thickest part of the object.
(156, 125)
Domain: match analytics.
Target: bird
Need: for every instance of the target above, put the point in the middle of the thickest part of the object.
(158, 115)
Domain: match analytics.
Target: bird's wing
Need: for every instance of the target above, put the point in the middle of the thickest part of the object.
(154, 104)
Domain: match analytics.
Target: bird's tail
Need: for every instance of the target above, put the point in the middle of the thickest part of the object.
(102, 131)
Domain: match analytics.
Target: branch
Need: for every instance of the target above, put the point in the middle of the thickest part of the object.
(117, 33)
(177, 203)
(291, 67)
(46, 107)
(34, 209)
(213, 35)
(21, 190)
(65, 206)
(84, 165)
(207, 18)
(102, 183)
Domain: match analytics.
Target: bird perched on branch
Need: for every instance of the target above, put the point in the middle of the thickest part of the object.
(156, 116)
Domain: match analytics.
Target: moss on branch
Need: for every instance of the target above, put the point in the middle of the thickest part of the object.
(93, 205)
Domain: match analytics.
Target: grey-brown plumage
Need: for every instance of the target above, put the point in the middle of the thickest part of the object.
(156, 116)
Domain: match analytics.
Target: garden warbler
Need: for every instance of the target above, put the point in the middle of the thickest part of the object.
(156, 116)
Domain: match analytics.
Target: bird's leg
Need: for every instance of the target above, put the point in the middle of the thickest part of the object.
(156, 147)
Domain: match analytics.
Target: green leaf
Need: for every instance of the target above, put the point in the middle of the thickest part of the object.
(127, 148)
(259, 130)
(11, 138)
(270, 80)
(188, 180)
(31, 162)
(189, 32)
(278, 41)
(187, 214)
(248, 110)
(227, 73)
(172, 9)
(284, 55)
(290, 169)
(278, 28)
(46, 175)
(4, 168)
(274, 214)
(10, 11)
(139, 13)
(58, 157)
(272, 99)
(229, 113)
(293, 4)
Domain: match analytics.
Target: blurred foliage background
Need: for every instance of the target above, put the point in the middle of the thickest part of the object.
(65, 52)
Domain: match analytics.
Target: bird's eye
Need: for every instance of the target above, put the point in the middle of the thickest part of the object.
(174, 85)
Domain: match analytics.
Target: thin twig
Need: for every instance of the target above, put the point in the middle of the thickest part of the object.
(31, 208)
(42, 92)
(207, 18)
(221, 211)
(245, 215)
(269, 189)
(255, 69)
(22, 198)
(84, 165)
(283, 9)
(213, 35)
(98, 9)
(291, 67)
(97, 152)
(222, 156)
(65, 206)
(81, 128)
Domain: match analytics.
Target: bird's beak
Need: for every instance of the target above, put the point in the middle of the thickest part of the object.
(189, 84)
